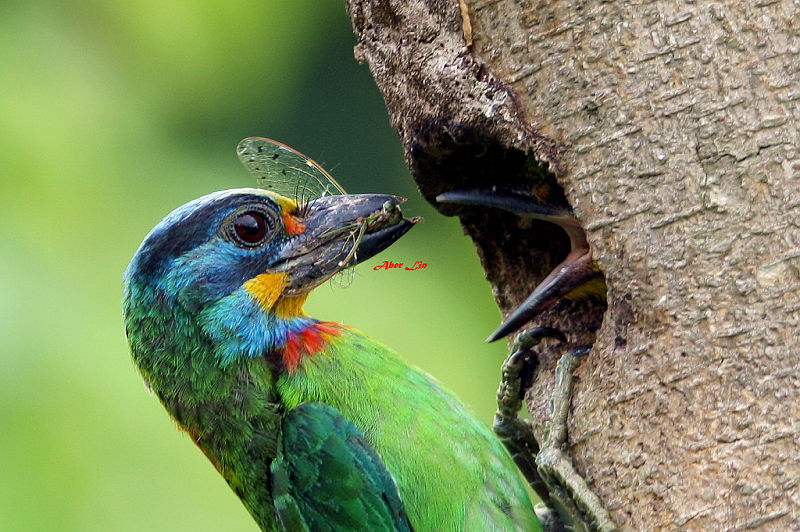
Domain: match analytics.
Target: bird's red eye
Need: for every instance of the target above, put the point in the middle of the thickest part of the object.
(251, 228)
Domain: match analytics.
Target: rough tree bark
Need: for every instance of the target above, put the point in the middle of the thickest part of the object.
(672, 127)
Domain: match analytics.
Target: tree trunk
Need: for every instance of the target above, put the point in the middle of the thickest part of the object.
(672, 127)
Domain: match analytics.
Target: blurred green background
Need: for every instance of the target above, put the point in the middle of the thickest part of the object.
(112, 113)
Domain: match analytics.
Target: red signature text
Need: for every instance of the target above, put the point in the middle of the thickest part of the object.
(389, 265)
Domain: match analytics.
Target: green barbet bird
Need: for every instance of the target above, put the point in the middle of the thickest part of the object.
(314, 425)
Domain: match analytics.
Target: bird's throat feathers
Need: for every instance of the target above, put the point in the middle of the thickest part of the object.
(267, 289)
(303, 336)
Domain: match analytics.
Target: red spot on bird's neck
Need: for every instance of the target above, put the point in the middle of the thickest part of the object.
(308, 342)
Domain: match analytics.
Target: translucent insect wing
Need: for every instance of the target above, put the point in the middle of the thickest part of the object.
(288, 172)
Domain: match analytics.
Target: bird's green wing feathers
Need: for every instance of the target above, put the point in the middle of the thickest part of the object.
(329, 478)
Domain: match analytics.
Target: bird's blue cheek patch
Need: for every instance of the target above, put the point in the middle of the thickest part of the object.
(205, 274)
(240, 327)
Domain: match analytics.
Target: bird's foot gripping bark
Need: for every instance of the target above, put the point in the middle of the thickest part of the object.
(569, 504)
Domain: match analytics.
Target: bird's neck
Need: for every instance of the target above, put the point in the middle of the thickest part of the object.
(258, 321)
(292, 334)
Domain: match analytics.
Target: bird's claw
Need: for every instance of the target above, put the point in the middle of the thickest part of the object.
(520, 364)
(534, 337)
(515, 432)
(550, 473)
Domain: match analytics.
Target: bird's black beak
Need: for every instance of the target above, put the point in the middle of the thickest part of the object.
(518, 203)
(340, 231)
(576, 277)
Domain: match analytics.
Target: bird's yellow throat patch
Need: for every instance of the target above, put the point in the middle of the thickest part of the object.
(267, 289)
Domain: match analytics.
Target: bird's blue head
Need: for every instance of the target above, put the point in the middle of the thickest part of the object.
(230, 271)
